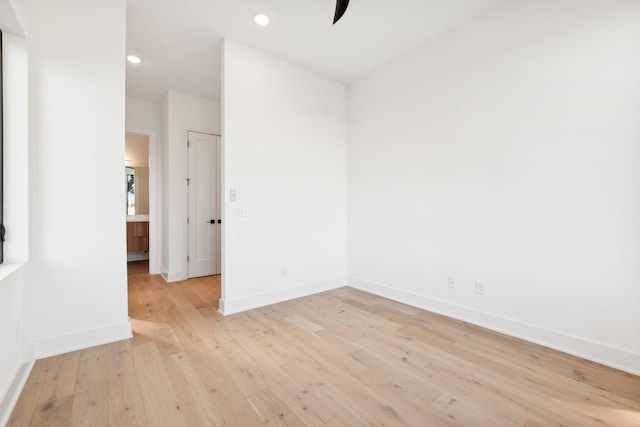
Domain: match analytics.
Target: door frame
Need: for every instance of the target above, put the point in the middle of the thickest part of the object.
(154, 211)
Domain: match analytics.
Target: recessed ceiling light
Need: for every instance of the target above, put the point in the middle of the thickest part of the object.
(134, 59)
(261, 19)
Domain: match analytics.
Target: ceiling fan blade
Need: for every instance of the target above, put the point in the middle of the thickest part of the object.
(341, 8)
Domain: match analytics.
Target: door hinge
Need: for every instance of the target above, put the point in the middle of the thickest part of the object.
(187, 144)
(188, 181)
(187, 220)
(187, 258)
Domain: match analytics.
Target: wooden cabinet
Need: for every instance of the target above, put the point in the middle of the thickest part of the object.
(137, 237)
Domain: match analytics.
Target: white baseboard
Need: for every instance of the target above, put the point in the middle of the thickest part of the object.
(15, 389)
(174, 277)
(606, 355)
(60, 344)
(238, 305)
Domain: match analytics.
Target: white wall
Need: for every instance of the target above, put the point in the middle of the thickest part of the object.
(143, 114)
(77, 268)
(509, 152)
(285, 155)
(182, 113)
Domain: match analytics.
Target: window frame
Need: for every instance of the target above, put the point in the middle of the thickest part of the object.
(2, 228)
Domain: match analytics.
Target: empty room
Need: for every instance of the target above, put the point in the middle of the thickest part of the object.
(320, 213)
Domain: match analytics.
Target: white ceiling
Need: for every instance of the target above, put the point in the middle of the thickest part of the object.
(179, 41)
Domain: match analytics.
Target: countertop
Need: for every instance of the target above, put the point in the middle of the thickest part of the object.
(137, 218)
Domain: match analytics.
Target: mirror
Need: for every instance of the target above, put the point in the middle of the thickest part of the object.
(137, 174)
(137, 190)
(131, 190)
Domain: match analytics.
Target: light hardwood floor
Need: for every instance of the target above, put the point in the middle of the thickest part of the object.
(341, 358)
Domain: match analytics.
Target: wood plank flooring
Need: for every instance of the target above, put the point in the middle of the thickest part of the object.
(340, 358)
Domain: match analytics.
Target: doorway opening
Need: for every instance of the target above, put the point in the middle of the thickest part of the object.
(140, 201)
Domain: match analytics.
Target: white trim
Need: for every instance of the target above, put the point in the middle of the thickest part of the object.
(617, 358)
(154, 197)
(175, 276)
(79, 340)
(7, 269)
(227, 307)
(10, 399)
(223, 182)
(17, 149)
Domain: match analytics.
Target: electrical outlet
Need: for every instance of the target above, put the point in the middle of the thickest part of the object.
(481, 288)
(451, 282)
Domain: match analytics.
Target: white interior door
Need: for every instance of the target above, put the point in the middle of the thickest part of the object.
(204, 220)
